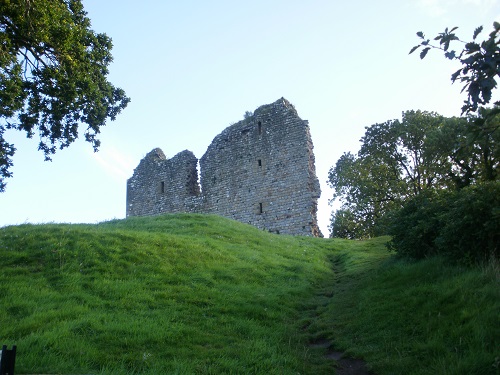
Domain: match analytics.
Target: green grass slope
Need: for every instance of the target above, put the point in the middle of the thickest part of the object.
(197, 294)
(405, 317)
(169, 294)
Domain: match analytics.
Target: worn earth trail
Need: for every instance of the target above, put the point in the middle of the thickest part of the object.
(345, 365)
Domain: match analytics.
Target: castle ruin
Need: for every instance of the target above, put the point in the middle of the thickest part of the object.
(259, 171)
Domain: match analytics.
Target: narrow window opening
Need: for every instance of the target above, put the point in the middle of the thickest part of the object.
(198, 177)
(259, 162)
(260, 208)
(162, 187)
(259, 126)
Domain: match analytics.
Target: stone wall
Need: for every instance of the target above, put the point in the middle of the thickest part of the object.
(162, 185)
(259, 171)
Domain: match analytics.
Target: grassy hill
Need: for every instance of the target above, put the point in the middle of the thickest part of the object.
(197, 294)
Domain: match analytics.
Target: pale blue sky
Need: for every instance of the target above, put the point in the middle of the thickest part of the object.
(192, 68)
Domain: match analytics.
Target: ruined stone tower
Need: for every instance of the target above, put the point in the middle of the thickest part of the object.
(259, 171)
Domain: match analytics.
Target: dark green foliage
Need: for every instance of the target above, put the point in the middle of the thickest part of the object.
(53, 76)
(471, 224)
(397, 160)
(463, 225)
(343, 224)
(485, 131)
(367, 189)
(415, 227)
(480, 63)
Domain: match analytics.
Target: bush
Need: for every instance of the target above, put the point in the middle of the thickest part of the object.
(471, 225)
(415, 227)
(463, 225)
(343, 224)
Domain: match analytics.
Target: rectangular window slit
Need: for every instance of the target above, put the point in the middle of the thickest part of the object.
(162, 187)
(259, 162)
(260, 208)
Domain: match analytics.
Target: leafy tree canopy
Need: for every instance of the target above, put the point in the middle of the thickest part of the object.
(480, 63)
(53, 76)
(400, 159)
(391, 165)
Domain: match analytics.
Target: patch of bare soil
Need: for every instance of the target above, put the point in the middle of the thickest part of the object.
(345, 365)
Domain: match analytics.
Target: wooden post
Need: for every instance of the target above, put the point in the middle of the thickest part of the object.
(7, 360)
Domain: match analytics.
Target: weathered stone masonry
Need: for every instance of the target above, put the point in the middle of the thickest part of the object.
(258, 171)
